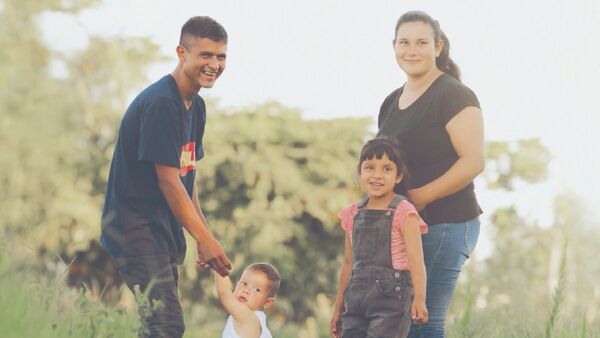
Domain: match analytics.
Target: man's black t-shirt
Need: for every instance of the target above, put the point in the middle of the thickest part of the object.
(156, 128)
(421, 129)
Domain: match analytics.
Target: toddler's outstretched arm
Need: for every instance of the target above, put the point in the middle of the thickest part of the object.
(244, 319)
(414, 251)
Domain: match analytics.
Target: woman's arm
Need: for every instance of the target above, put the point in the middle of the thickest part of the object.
(414, 253)
(334, 326)
(466, 134)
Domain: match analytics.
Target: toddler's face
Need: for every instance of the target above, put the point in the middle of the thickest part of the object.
(253, 290)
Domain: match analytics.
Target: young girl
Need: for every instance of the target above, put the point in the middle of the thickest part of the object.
(383, 251)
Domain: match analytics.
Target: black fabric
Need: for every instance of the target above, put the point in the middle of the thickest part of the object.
(429, 151)
(161, 276)
(156, 128)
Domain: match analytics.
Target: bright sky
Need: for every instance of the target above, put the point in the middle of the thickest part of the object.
(533, 65)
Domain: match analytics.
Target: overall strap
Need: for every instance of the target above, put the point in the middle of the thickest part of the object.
(363, 203)
(396, 201)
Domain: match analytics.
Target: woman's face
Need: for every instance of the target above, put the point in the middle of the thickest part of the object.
(416, 49)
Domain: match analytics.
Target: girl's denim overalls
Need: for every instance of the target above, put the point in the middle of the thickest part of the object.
(377, 298)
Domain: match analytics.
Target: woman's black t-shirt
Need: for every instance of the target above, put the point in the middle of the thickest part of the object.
(429, 152)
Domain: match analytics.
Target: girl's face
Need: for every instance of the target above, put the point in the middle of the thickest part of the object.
(378, 177)
(416, 49)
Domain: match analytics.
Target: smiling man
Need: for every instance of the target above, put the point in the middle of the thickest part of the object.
(151, 193)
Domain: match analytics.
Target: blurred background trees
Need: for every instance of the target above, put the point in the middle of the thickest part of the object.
(270, 185)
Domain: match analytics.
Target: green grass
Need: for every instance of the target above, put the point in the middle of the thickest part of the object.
(32, 305)
(559, 294)
(41, 306)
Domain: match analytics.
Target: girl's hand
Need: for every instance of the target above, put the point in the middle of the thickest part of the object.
(417, 198)
(335, 325)
(418, 311)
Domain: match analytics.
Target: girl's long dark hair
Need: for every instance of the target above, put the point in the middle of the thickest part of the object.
(381, 145)
(443, 62)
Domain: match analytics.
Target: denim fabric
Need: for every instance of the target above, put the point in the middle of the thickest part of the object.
(158, 270)
(446, 247)
(377, 299)
(377, 304)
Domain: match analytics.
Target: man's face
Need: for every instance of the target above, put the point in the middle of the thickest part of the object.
(203, 60)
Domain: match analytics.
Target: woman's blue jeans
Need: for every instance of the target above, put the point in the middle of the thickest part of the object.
(446, 247)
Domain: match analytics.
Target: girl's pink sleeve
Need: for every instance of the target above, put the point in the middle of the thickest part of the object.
(346, 216)
(405, 209)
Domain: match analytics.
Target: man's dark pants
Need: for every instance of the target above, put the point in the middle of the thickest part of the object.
(167, 321)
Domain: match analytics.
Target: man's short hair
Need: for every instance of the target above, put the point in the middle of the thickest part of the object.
(202, 27)
(272, 275)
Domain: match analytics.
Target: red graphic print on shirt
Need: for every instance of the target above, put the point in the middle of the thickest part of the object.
(187, 161)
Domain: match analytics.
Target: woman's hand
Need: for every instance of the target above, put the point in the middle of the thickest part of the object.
(418, 198)
(335, 325)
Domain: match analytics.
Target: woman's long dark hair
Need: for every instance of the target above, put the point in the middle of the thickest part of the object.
(381, 145)
(443, 62)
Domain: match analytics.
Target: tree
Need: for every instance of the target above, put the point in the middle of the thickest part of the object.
(271, 185)
(518, 281)
(56, 134)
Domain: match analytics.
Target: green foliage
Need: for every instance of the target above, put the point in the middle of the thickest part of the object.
(32, 305)
(146, 307)
(56, 135)
(270, 185)
(464, 325)
(532, 276)
(525, 160)
(29, 8)
(271, 182)
(528, 275)
(559, 294)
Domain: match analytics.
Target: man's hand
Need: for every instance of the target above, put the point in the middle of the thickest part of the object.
(201, 260)
(211, 254)
(189, 214)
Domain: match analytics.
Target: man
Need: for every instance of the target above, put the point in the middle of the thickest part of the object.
(151, 193)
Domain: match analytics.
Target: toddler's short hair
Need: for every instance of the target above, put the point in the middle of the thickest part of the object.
(272, 275)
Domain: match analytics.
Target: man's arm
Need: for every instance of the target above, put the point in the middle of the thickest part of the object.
(191, 217)
(196, 202)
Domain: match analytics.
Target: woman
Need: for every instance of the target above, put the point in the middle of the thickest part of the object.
(439, 122)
